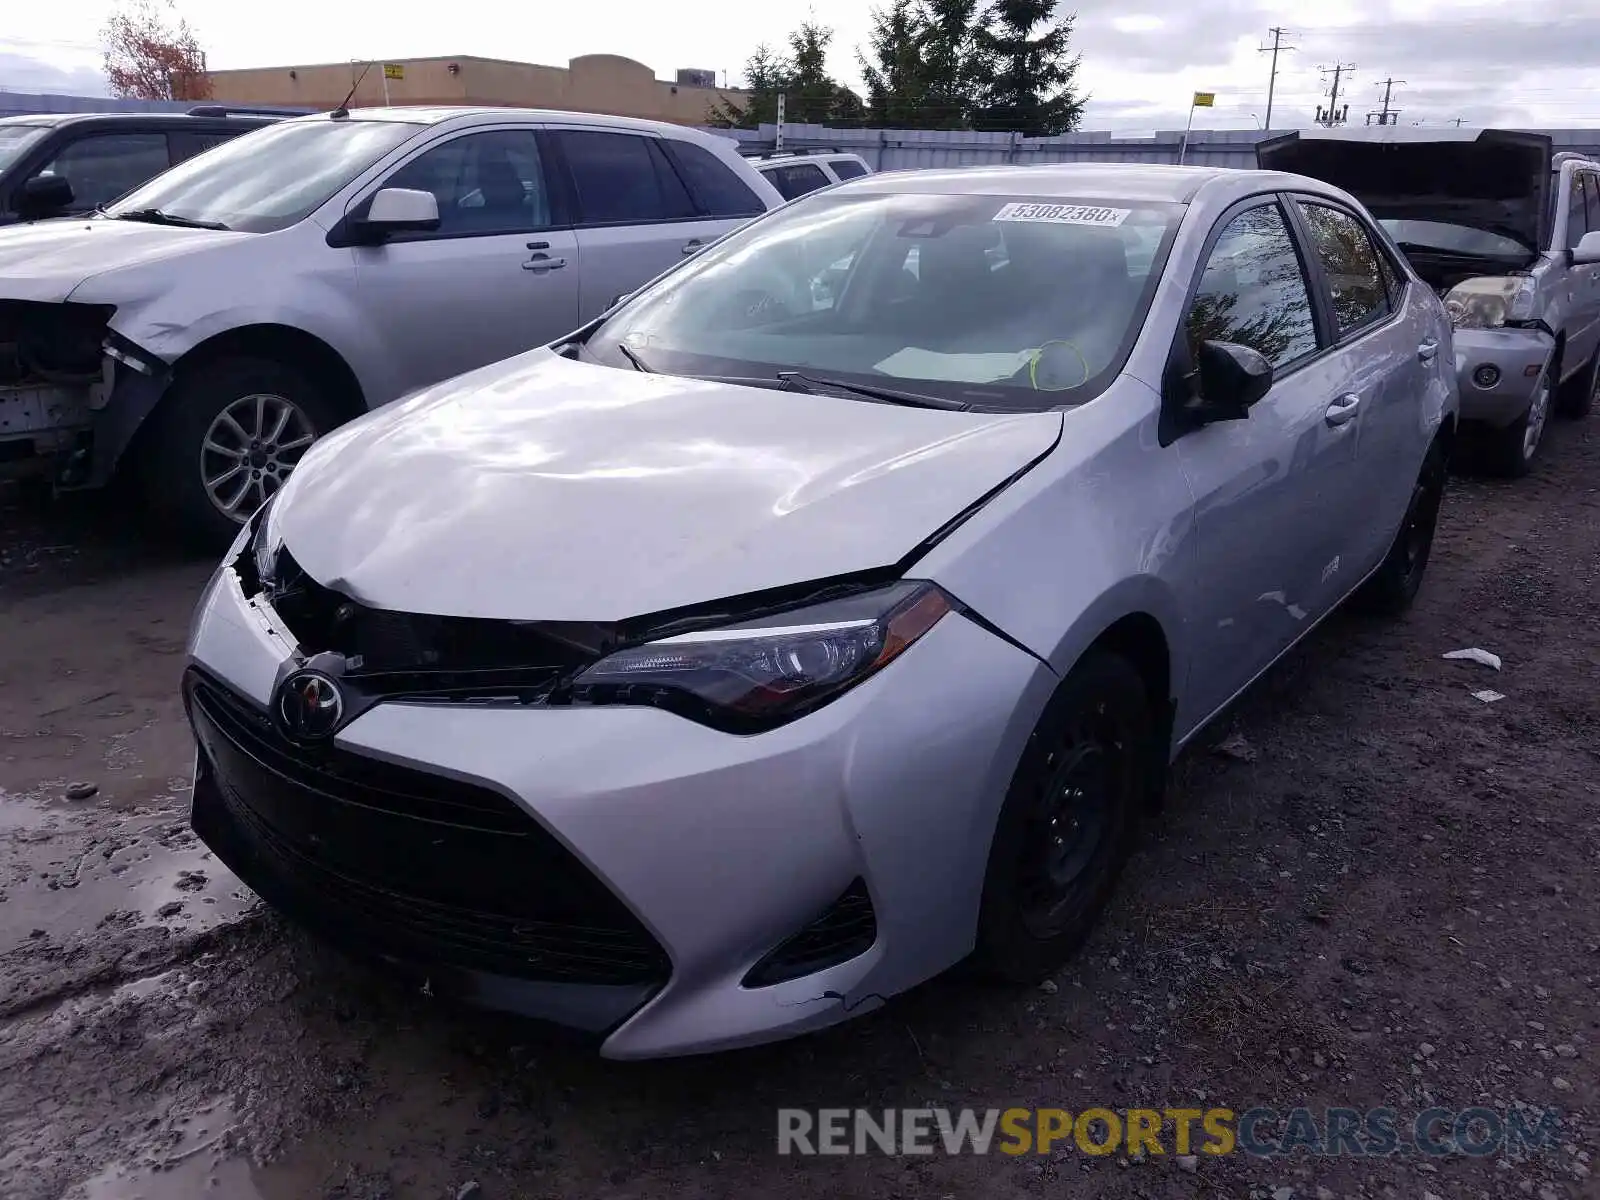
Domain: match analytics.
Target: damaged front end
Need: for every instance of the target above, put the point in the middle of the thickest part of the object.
(59, 368)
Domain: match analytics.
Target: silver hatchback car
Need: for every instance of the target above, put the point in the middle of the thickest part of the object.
(760, 651)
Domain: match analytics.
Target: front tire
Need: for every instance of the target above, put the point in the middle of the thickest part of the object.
(1576, 397)
(1509, 452)
(224, 440)
(1068, 820)
(1392, 588)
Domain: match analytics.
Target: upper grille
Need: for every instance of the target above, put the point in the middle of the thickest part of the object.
(452, 867)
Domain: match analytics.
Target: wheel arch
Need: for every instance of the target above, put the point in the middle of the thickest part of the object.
(289, 345)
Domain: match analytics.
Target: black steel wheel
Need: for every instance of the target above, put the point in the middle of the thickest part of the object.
(1067, 824)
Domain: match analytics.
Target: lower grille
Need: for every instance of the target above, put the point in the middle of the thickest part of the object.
(846, 930)
(436, 868)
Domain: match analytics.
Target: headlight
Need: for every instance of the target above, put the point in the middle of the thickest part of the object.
(264, 543)
(1491, 302)
(757, 675)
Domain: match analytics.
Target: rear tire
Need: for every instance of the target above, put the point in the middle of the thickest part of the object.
(1510, 452)
(225, 439)
(1068, 821)
(1390, 591)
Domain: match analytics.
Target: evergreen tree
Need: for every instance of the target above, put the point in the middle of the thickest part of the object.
(1031, 70)
(811, 96)
(765, 75)
(896, 81)
(954, 67)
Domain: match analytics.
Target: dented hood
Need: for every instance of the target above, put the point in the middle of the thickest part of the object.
(1497, 180)
(50, 260)
(544, 489)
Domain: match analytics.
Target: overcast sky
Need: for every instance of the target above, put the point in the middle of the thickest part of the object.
(1483, 63)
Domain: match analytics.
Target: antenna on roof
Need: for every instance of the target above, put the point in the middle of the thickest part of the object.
(343, 110)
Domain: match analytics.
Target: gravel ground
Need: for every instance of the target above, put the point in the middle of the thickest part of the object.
(1370, 889)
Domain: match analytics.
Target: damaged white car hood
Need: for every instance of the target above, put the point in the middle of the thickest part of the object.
(544, 489)
(50, 260)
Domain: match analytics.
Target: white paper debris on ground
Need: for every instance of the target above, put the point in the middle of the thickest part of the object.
(1478, 656)
(1488, 696)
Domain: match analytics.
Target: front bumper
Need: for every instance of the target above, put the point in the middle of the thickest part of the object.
(1521, 356)
(683, 855)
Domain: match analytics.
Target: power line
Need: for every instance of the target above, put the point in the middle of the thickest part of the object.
(1333, 115)
(1272, 78)
(1388, 116)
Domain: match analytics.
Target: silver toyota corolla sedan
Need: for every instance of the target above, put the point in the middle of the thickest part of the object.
(829, 611)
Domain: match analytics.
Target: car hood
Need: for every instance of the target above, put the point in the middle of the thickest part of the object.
(544, 489)
(1497, 180)
(50, 260)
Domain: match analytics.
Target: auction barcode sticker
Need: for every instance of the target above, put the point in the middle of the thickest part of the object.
(1063, 214)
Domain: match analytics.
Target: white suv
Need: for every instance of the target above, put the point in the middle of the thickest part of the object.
(796, 172)
(216, 320)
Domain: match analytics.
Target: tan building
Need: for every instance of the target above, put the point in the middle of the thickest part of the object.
(599, 83)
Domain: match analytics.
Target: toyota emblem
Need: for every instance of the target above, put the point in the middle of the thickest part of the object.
(309, 706)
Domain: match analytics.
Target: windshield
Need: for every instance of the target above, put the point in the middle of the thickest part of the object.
(15, 141)
(1454, 239)
(270, 178)
(1006, 301)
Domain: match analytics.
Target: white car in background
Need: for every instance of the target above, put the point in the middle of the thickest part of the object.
(218, 319)
(797, 172)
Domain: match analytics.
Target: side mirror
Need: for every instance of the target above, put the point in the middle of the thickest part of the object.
(1232, 378)
(617, 300)
(1587, 251)
(43, 196)
(399, 210)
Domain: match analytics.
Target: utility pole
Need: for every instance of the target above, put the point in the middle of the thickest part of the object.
(1333, 114)
(1272, 80)
(1388, 116)
(777, 141)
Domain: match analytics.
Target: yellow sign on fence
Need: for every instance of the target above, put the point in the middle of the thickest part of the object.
(393, 71)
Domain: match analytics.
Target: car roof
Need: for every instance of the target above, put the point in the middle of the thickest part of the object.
(468, 115)
(1147, 182)
(177, 120)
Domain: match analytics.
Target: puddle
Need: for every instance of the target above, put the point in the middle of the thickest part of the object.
(43, 808)
(196, 1164)
(145, 868)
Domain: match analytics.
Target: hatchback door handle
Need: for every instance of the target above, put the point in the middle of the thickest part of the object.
(1428, 350)
(1343, 410)
(692, 245)
(540, 263)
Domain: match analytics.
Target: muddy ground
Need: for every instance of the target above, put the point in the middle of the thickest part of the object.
(1386, 895)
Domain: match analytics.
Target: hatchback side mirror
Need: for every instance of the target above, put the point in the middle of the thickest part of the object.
(1232, 378)
(1587, 251)
(43, 196)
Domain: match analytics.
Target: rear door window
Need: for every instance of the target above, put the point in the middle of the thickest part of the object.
(623, 179)
(1350, 264)
(796, 179)
(720, 192)
(847, 168)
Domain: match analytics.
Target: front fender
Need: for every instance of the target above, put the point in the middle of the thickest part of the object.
(1099, 531)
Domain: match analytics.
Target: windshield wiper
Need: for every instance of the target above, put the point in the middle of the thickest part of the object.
(638, 363)
(805, 383)
(155, 216)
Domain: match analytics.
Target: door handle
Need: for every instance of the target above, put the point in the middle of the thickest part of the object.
(1428, 350)
(1343, 410)
(692, 245)
(541, 263)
